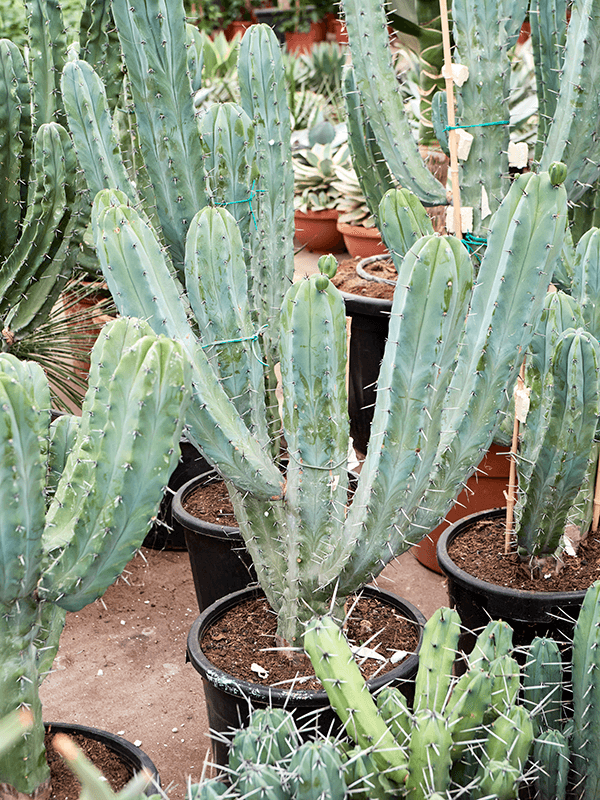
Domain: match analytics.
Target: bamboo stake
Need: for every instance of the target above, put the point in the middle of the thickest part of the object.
(452, 133)
(511, 495)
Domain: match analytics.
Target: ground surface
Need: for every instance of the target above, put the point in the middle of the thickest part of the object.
(121, 664)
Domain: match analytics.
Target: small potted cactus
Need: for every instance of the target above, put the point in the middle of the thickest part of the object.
(77, 500)
(556, 469)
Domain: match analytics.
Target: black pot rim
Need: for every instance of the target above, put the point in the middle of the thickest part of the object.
(455, 573)
(361, 304)
(134, 757)
(195, 523)
(245, 689)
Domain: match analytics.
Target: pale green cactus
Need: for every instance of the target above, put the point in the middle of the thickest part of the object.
(61, 549)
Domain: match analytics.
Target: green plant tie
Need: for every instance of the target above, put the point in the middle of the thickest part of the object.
(477, 125)
(253, 339)
(314, 466)
(253, 193)
(472, 242)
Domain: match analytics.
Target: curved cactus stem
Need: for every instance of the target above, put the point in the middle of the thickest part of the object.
(402, 220)
(585, 285)
(551, 752)
(99, 46)
(382, 101)
(368, 161)
(141, 283)
(418, 364)
(429, 759)
(15, 143)
(572, 136)
(215, 278)
(436, 660)
(47, 49)
(90, 124)
(542, 684)
(153, 39)
(49, 206)
(88, 536)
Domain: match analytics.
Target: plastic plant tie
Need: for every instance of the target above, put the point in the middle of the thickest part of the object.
(253, 339)
(476, 125)
(253, 193)
(313, 466)
(471, 242)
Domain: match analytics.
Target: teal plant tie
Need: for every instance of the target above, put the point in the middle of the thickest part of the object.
(472, 242)
(253, 339)
(253, 193)
(314, 466)
(477, 125)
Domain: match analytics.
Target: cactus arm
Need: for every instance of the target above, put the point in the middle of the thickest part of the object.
(548, 33)
(23, 426)
(368, 161)
(15, 143)
(47, 215)
(90, 124)
(316, 771)
(99, 46)
(511, 738)
(215, 278)
(228, 144)
(482, 43)
(264, 99)
(506, 677)
(586, 709)
(88, 544)
(551, 752)
(562, 451)
(494, 640)
(466, 709)
(585, 286)
(542, 684)
(507, 302)
(153, 39)
(436, 659)
(572, 137)
(432, 287)
(403, 220)
(380, 94)
(315, 426)
(63, 432)
(332, 658)
(142, 285)
(47, 45)
(429, 759)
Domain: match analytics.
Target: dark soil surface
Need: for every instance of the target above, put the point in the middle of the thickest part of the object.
(480, 552)
(347, 280)
(211, 503)
(246, 633)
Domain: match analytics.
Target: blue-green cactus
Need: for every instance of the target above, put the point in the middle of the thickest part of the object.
(61, 552)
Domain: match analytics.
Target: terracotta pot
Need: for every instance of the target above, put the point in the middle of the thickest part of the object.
(227, 697)
(362, 242)
(485, 489)
(237, 28)
(302, 42)
(318, 231)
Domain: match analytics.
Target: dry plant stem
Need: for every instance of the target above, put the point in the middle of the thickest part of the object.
(596, 512)
(452, 134)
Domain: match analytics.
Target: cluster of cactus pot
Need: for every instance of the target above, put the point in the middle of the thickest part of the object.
(78, 497)
(499, 727)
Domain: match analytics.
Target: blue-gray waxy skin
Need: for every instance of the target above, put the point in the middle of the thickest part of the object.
(60, 550)
(447, 372)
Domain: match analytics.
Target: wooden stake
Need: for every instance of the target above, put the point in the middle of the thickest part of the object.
(452, 134)
(511, 496)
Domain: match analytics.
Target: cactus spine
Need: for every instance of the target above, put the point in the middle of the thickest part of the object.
(65, 556)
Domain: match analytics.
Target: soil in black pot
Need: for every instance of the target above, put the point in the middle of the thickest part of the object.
(65, 786)
(211, 503)
(479, 551)
(347, 280)
(243, 636)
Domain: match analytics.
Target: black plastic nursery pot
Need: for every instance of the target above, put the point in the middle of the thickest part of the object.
(167, 533)
(129, 754)
(530, 614)
(229, 699)
(219, 560)
(368, 334)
